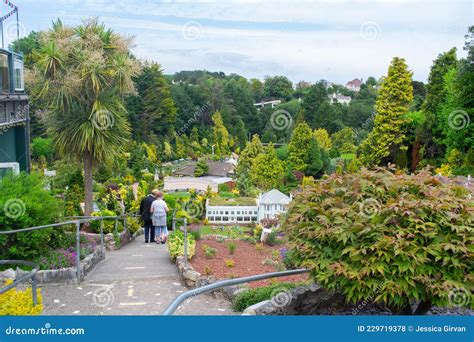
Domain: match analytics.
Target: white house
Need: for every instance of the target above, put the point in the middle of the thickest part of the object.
(272, 204)
(247, 210)
(339, 98)
(354, 85)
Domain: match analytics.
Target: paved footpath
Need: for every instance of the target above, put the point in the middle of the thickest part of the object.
(138, 279)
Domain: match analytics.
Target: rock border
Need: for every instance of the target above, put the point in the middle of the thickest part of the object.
(66, 275)
(193, 279)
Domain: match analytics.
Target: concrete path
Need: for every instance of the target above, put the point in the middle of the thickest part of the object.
(138, 279)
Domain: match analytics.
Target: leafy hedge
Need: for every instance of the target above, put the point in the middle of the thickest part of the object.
(176, 244)
(256, 295)
(25, 203)
(392, 238)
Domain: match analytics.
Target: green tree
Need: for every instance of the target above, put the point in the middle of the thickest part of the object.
(267, 170)
(341, 140)
(220, 136)
(248, 155)
(277, 87)
(385, 140)
(81, 75)
(322, 136)
(313, 159)
(298, 146)
(159, 112)
(431, 128)
(202, 168)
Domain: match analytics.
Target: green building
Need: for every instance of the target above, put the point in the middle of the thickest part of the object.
(14, 115)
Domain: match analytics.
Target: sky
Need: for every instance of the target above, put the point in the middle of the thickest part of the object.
(303, 40)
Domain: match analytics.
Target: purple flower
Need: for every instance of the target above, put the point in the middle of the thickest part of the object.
(283, 252)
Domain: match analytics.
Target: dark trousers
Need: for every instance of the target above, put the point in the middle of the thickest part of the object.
(149, 231)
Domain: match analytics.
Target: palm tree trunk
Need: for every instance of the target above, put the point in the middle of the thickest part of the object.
(88, 183)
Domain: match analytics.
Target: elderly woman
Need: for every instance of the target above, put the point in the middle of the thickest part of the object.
(159, 208)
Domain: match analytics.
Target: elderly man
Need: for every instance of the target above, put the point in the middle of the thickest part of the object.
(145, 213)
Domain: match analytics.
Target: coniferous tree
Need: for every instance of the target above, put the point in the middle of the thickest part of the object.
(384, 143)
(298, 146)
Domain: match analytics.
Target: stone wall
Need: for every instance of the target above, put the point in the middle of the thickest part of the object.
(304, 300)
(63, 275)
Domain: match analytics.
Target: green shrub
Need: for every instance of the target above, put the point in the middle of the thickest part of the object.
(196, 234)
(231, 246)
(109, 224)
(229, 263)
(176, 244)
(392, 238)
(253, 296)
(25, 203)
(17, 302)
(133, 224)
(42, 147)
(210, 252)
(272, 239)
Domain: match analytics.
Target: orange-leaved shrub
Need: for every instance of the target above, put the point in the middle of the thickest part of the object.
(391, 238)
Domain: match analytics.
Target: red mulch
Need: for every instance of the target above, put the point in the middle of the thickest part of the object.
(247, 261)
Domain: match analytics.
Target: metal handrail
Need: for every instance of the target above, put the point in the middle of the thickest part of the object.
(77, 220)
(30, 275)
(224, 283)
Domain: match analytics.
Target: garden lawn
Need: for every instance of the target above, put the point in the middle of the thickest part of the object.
(229, 231)
(249, 259)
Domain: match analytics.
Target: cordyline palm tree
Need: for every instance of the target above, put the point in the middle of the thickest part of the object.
(81, 75)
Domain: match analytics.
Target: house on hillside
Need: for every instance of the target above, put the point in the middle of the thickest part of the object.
(339, 98)
(270, 103)
(14, 115)
(354, 85)
(245, 209)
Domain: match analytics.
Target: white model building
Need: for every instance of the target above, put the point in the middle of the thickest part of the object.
(247, 210)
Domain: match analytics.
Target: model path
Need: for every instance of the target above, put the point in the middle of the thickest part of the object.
(138, 279)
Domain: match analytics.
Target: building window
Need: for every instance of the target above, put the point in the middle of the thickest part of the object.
(4, 73)
(211, 218)
(18, 72)
(218, 218)
(240, 218)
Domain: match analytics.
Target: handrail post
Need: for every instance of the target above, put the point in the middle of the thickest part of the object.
(78, 250)
(102, 237)
(116, 226)
(185, 241)
(33, 290)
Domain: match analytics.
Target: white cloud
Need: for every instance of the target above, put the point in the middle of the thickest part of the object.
(301, 39)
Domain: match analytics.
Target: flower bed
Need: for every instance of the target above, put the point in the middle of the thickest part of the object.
(247, 259)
